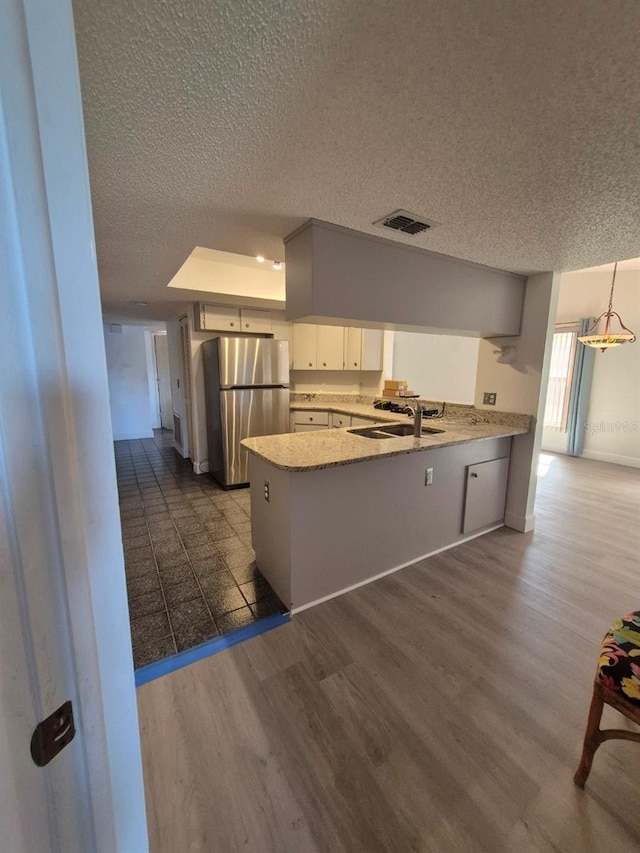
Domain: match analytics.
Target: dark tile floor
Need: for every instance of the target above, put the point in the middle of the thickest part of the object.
(190, 568)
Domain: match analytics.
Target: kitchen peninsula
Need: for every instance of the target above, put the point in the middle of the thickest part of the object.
(335, 508)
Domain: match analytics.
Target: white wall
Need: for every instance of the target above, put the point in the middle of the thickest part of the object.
(127, 368)
(521, 387)
(175, 372)
(154, 401)
(613, 417)
(367, 382)
(52, 278)
(438, 367)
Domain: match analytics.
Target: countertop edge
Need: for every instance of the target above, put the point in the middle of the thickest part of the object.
(506, 433)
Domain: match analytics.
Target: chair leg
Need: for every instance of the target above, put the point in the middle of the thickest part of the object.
(592, 738)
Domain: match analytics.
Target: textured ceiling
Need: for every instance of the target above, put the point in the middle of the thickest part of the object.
(226, 124)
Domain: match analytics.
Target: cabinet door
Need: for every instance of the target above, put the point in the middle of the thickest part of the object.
(219, 318)
(340, 421)
(486, 494)
(312, 418)
(305, 338)
(254, 320)
(352, 348)
(330, 348)
(371, 349)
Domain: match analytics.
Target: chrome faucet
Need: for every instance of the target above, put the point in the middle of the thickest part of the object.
(415, 409)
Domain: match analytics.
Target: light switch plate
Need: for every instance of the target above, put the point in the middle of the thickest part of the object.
(489, 398)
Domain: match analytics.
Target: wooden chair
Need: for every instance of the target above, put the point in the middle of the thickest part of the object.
(617, 683)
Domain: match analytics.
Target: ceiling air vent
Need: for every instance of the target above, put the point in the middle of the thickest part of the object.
(408, 223)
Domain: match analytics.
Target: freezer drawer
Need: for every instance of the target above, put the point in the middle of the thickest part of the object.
(247, 412)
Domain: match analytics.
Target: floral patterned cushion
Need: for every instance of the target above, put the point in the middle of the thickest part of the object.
(619, 665)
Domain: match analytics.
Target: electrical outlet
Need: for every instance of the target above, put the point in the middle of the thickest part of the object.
(266, 491)
(428, 477)
(489, 398)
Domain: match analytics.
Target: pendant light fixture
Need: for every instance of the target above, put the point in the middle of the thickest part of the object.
(608, 337)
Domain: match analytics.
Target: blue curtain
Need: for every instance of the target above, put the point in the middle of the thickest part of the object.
(580, 390)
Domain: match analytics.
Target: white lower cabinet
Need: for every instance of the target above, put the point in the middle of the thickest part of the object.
(340, 421)
(485, 494)
(307, 421)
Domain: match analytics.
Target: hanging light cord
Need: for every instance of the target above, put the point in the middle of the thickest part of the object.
(613, 281)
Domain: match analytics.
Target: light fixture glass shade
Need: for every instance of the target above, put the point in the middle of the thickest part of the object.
(604, 342)
(608, 338)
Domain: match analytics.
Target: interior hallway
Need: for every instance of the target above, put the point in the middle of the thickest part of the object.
(439, 709)
(190, 568)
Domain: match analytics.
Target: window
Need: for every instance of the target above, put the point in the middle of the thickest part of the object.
(560, 377)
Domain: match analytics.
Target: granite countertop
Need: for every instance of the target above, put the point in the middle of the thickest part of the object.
(308, 451)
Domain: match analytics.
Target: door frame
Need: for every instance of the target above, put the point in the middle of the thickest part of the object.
(53, 242)
(167, 377)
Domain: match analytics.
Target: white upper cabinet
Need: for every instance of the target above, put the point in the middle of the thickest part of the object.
(254, 321)
(305, 342)
(330, 348)
(363, 349)
(352, 349)
(336, 348)
(318, 347)
(222, 318)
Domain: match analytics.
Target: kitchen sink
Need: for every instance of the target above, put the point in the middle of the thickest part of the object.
(391, 431)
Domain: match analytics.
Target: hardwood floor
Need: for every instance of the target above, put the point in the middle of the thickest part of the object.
(439, 709)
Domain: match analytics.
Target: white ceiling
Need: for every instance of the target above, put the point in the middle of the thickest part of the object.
(227, 124)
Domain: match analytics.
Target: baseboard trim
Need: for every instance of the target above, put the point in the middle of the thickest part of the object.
(132, 436)
(521, 523)
(384, 574)
(613, 458)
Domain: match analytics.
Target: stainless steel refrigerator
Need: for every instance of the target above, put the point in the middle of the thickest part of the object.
(246, 384)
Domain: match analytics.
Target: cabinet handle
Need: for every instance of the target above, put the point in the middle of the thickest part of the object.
(324, 363)
(473, 474)
(232, 324)
(355, 363)
(310, 365)
(246, 325)
(310, 419)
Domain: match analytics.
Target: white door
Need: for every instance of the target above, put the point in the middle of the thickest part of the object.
(164, 381)
(63, 612)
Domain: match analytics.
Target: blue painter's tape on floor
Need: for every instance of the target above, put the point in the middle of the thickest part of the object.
(204, 650)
